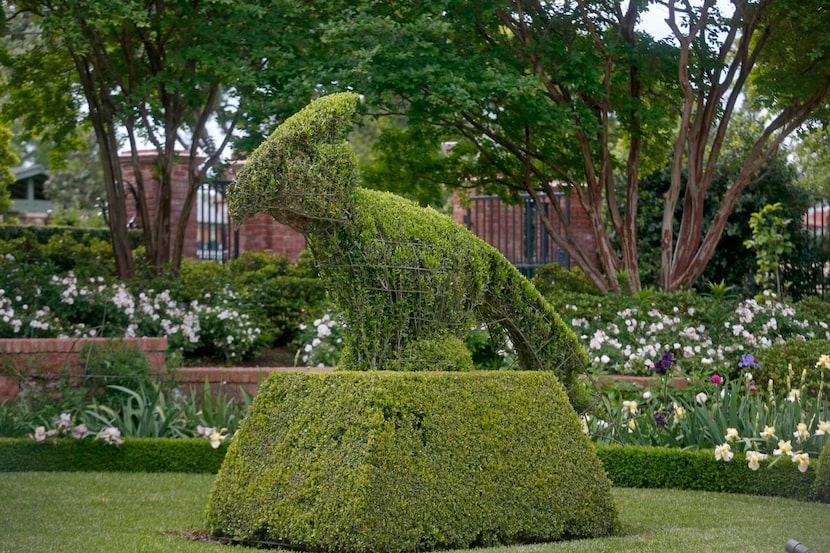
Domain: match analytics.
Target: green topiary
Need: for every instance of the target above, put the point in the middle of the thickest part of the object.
(822, 485)
(408, 280)
(395, 461)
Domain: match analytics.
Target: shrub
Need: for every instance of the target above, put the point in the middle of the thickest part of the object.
(689, 469)
(799, 354)
(552, 278)
(822, 486)
(393, 461)
(281, 303)
(114, 363)
(134, 455)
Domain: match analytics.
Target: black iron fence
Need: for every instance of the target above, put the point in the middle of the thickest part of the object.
(217, 239)
(517, 230)
(809, 273)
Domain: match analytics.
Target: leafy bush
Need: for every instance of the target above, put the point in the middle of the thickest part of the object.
(394, 461)
(684, 469)
(553, 278)
(822, 486)
(113, 363)
(785, 363)
(624, 335)
(84, 251)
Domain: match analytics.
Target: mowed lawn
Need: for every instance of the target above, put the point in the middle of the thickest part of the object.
(147, 513)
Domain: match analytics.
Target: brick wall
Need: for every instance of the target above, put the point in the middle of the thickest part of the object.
(503, 226)
(147, 161)
(42, 361)
(258, 234)
(261, 233)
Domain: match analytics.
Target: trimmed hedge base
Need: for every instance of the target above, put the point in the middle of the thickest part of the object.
(627, 467)
(88, 455)
(398, 462)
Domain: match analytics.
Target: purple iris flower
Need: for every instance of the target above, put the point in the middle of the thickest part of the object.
(662, 365)
(747, 361)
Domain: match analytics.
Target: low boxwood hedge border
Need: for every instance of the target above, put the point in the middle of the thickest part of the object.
(697, 469)
(87, 455)
(627, 467)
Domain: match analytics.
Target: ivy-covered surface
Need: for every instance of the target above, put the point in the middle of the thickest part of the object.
(410, 461)
(409, 281)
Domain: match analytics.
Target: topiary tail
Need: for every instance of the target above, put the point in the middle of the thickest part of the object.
(541, 340)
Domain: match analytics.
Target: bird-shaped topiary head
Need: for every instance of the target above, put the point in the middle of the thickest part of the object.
(305, 171)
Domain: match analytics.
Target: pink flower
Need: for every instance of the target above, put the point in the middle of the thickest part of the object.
(716, 379)
(753, 388)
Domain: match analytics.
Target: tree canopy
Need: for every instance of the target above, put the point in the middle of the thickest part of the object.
(575, 95)
(174, 76)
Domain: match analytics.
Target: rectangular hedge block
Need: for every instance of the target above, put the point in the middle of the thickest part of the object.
(397, 462)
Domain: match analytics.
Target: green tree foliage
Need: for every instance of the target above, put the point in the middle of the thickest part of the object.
(771, 242)
(173, 76)
(574, 93)
(733, 263)
(8, 159)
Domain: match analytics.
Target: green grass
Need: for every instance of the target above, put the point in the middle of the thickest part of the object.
(149, 513)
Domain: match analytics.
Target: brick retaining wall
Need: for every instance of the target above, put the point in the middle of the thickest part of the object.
(230, 380)
(44, 360)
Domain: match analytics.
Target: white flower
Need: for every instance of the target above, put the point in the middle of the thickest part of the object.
(646, 395)
(794, 395)
(731, 435)
(604, 359)
(111, 435)
(680, 412)
(768, 433)
(724, 452)
(629, 408)
(40, 434)
(323, 330)
(754, 458)
(823, 428)
(585, 429)
(701, 398)
(63, 422)
(784, 448)
(801, 433)
(80, 432)
(803, 460)
(216, 439)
